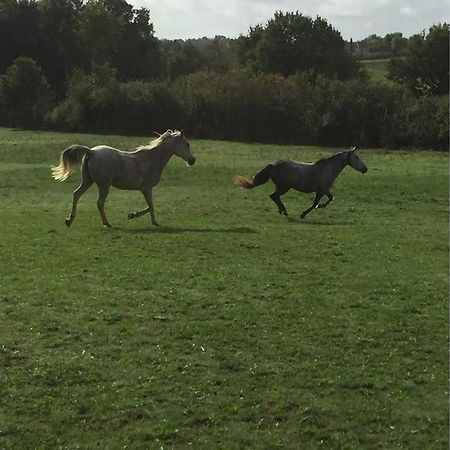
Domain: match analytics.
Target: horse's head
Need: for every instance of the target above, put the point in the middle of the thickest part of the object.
(355, 161)
(182, 148)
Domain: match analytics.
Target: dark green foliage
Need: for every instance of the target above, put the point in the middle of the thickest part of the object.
(59, 50)
(291, 80)
(64, 35)
(92, 101)
(113, 32)
(291, 42)
(373, 46)
(19, 31)
(45, 31)
(427, 122)
(181, 58)
(25, 96)
(99, 31)
(241, 105)
(146, 107)
(194, 55)
(98, 102)
(425, 67)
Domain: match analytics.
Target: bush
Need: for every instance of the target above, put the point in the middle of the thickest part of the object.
(91, 103)
(427, 121)
(98, 102)
(25, 97)
(240, 105)
(148, 106)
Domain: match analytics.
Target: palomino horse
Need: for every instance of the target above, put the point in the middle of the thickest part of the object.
(304, 177)
(107, 166)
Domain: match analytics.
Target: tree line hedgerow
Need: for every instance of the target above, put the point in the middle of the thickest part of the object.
(97, 66)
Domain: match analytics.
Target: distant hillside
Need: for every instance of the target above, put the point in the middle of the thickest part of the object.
(376, 68)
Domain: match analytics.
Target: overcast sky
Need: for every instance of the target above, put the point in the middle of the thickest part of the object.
(357, 19)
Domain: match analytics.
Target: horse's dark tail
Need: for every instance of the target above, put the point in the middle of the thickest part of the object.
(70, 158)
(250, 182)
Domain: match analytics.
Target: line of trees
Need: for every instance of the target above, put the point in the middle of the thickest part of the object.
(374, 46)
(96, 65)
(241, 105)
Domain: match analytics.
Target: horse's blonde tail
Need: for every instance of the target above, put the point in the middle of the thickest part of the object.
(63, 170)
(244, 182)
(70, 158)
(260, 178)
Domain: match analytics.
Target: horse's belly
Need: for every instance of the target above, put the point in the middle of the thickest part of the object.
(127, 183)
(305, 189)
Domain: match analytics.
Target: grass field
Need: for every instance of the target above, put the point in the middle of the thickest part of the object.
(229, 326)
(376, 68)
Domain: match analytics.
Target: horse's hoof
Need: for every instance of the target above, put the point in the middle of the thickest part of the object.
(302, 216)
(130, 216)
(107, 225)
(68, 223)
(156, 224)
(285, 213)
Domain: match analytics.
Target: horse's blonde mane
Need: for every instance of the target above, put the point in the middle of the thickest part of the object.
(160, 140)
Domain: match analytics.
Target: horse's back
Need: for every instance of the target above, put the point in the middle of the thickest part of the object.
(104, 150)
(297, 175)
(108, 165)
(105, 159)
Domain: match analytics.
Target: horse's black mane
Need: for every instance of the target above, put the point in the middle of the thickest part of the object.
(323, 160)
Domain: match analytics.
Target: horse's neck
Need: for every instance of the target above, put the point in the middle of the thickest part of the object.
(158, 158)
(336, 164)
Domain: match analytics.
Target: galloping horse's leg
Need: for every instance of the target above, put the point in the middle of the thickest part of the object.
(330, 198)
(314, 205)
(102, 194)
(86, 183)
(149, 199)
(141, 212)
(276, 198)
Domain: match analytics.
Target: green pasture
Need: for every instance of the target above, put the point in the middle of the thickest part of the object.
(377, 69)
(228, 327)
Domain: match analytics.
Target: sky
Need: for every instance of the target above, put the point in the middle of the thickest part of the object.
(356, 19)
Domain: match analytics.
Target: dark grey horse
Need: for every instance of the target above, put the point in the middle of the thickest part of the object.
(107, 166)
(304, 177)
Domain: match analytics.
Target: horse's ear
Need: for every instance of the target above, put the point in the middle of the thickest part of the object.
(353, 149)
(181, 132)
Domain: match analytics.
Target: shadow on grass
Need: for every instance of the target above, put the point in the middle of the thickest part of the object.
(177, 230)
(314, 222)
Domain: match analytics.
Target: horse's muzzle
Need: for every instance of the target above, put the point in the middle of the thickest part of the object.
(191, 162)
(364, 170)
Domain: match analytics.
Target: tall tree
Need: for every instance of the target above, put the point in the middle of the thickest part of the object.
(139, 54)
(181, 58)
(59, 50)
(291, 42)
(425, 66)
(44, 31)
(25, 96)
(99, 31)
(20, 31)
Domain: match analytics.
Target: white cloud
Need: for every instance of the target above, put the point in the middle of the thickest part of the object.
(353, 18)
(406, 11)
(342, 8)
